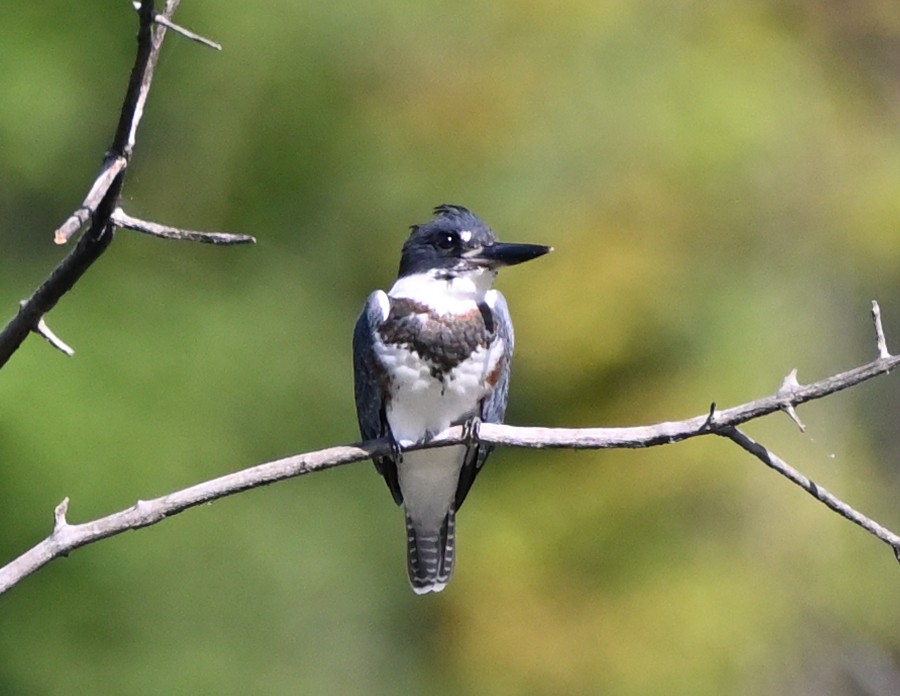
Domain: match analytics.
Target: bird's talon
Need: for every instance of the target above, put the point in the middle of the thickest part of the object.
(470, 430)
(396, 451)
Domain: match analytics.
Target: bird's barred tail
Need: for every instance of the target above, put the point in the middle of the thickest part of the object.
(430, 554)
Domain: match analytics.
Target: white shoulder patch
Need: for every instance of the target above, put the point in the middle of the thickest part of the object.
(384, 303)
(491, 298)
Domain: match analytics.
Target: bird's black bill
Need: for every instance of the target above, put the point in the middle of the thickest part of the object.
(503, 254)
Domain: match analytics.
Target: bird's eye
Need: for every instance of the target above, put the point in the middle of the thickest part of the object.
(448, 240)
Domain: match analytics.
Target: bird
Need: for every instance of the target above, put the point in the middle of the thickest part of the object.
(433, 352)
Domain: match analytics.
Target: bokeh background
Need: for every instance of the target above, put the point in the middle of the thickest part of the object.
(720, 181)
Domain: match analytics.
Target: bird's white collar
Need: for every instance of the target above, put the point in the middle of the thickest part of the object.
(444, 295)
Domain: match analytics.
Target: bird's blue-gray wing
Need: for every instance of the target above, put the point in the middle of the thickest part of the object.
(493, 406)
(371, 385)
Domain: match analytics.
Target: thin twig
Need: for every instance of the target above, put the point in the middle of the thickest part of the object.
(44, 331)
(111, 169)
(772, 460)
(121, 219)
(187, 33)
(721, 422)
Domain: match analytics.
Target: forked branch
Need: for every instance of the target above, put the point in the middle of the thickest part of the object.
(100, 207)
(67, 537)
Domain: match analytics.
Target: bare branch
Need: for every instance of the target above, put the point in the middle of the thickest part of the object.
(100, 208)
(101, 202)
(770, 459)
(675, 431)
(66, 537)
(121, 219)
(106, 190)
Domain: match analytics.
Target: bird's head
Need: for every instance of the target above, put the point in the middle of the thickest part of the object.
(457, 243)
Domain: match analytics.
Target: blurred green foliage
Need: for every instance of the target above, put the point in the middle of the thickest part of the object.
(720, 181)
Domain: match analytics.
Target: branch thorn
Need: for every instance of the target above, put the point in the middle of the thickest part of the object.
(879, 332)
(789, 383)
(59, 515)
(710, 423)
(792, 414)
(788, 386)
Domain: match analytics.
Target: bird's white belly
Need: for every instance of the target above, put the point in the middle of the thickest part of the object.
(428, 479)
(422, 405)
(423, 401)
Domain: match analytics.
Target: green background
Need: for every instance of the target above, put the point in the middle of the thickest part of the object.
(720, 181)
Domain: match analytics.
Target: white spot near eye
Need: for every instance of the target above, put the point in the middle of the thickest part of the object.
(466, 235)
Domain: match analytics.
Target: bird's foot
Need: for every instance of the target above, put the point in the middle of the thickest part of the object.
(396, 450)
(470, 430)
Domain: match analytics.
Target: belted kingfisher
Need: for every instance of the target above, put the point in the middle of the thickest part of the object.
(432, 352)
